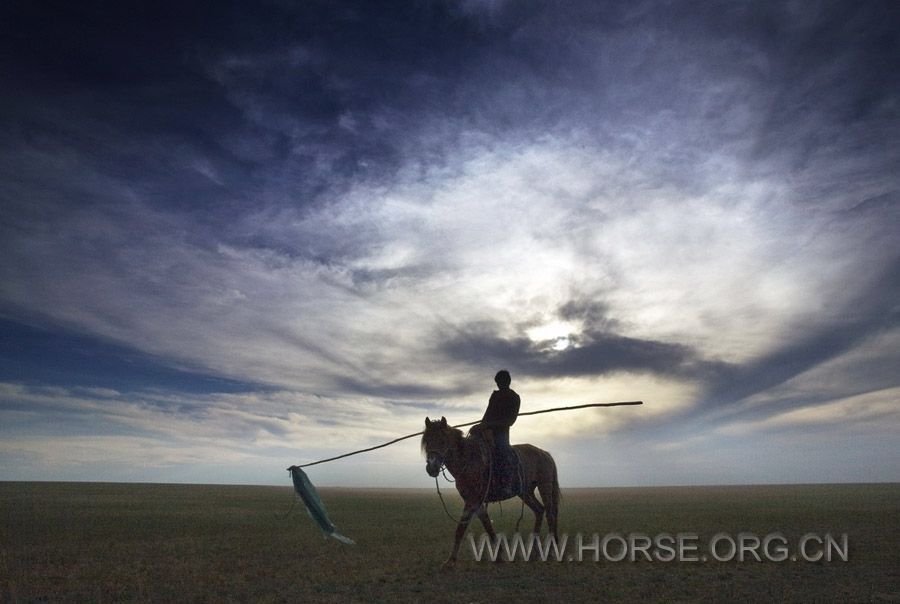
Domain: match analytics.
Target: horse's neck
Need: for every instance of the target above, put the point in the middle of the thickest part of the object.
(460, 456)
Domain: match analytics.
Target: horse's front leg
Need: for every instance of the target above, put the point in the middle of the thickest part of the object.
(488, 527)
(486, 522)
(468, 511)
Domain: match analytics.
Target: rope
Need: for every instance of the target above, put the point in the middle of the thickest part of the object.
(290, 509)
(396, 440)
(437, 484)
(521, 515)
(521, 470)
(487, 487)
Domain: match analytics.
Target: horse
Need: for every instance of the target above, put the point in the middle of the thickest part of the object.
(465, 459)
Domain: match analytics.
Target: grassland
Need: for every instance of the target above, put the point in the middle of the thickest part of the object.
(136, 542)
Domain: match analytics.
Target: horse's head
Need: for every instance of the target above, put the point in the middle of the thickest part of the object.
(437, 440)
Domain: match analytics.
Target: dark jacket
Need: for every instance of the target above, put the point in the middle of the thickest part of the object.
(502, 410)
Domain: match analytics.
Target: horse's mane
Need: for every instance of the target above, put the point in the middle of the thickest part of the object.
(456, 436)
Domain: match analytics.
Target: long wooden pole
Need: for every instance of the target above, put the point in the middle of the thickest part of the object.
(396, 440)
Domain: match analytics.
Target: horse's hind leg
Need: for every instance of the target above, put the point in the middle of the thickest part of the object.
(535, 506)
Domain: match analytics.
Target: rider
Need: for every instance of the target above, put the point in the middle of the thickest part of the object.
(501, 413)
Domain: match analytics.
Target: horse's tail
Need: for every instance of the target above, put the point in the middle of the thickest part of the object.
(552, 506)
(556, 495)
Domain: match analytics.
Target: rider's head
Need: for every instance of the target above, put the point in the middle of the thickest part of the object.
(503, 379)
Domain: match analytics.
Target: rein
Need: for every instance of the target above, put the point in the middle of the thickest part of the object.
(443, 503)
(437, 485)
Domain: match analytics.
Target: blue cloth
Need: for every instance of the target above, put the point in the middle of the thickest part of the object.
(307, 492)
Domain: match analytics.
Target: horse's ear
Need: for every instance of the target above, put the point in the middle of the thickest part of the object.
(443, 421)
(427, 423)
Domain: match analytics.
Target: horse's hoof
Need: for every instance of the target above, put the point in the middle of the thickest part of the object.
(448, 563)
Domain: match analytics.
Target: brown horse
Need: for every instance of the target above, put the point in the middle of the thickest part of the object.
(466, 460)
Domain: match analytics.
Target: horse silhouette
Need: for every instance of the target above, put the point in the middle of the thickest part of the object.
(468, 461)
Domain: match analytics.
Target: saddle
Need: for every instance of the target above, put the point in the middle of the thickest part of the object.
(504, 471)
(505, 475)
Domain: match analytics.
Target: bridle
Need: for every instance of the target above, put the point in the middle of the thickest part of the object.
(437, 456)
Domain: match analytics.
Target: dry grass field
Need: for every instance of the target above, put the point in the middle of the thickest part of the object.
(89, 542)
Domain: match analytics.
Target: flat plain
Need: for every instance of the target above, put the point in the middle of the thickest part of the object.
(96, 542)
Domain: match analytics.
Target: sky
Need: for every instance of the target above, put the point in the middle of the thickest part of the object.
(240, 236)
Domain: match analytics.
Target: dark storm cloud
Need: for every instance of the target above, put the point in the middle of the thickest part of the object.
(220, 112)
(593, 353)
(116, 90)
(209, 107)
(875, 312)
(56, 358)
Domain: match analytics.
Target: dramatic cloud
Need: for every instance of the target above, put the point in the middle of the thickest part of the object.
(271, 232)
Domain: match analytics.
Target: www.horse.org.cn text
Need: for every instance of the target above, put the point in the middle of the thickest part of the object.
(664, 547)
